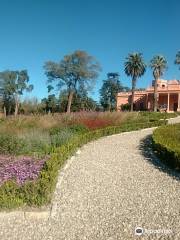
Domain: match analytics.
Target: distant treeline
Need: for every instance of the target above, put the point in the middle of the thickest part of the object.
(74, 77)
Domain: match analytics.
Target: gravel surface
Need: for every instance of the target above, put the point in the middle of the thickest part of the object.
(109, 188)
(174, 120)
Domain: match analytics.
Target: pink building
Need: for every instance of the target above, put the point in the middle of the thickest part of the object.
(168, 97)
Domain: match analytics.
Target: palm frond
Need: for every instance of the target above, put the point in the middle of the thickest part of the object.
(158, 64)
(135, 65)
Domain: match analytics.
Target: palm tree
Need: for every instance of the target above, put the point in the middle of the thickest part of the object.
(158, 64)
(177, 60)
(134, 67)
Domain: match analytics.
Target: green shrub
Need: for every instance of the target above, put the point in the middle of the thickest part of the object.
(10, 144)
(78, 129)
(156, 115)
(62, 136)
(36, 142)
(10, 195)
(73, 128)
(166, 143)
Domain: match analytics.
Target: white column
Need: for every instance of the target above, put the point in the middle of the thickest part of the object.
(168, 103)
(178, 109)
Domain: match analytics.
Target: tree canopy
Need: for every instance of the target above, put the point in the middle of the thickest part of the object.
(108, 92)
(76, 70)
(50, 104)
(158, 64)
(80, 102)
(177, 60)
(135, 67)
(13, 84)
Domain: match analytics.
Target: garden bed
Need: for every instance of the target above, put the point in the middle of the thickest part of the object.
(38, 192)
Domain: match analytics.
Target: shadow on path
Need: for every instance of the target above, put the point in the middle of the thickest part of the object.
(145, 147)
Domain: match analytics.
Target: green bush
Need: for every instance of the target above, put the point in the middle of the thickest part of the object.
(39, 192)
(166, 143)
(10, 144)
(61, 137)
(36, 142)
(157, 115)
(76, 129)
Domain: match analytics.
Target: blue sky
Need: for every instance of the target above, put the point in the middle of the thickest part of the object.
(35, 31)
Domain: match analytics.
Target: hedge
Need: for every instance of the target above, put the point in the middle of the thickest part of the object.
(166, 144)
(39, 192)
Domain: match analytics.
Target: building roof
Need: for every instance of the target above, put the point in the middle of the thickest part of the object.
(163, 86)
(173, 82)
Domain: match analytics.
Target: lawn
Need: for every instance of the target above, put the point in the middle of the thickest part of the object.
(33, 148)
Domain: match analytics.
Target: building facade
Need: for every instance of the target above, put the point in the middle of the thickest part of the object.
(168, 97)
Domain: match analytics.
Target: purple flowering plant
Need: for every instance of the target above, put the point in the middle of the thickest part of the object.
(20, 169)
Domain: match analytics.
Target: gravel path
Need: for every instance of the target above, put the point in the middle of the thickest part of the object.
(174, 120)
(107, 190)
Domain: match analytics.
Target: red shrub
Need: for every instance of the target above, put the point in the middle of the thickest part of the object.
(96, 123)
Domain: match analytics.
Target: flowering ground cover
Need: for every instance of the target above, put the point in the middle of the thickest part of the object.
(20, 169)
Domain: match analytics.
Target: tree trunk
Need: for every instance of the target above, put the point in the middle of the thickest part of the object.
(16, 107)
(83, 106)
(5, 112)
(132, 97)
(109, 104)
(16, 110)
(70, 97)
(155, 95)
